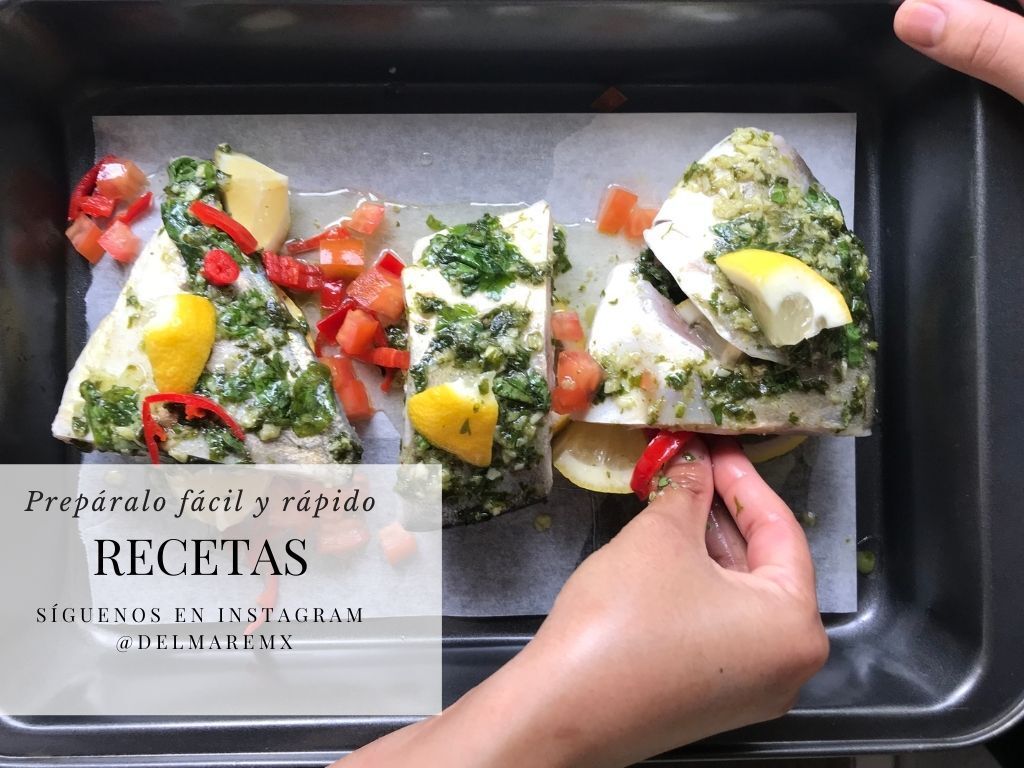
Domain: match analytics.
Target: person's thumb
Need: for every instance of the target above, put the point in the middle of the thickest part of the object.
(973, 36)
(682, 494)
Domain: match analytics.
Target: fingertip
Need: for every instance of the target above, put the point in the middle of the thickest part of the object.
(919, 23)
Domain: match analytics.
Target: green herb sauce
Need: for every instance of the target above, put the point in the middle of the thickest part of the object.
(113, 416)
(498, 341)
(480, 256)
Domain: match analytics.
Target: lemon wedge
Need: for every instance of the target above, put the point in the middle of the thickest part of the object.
(790, 301)
(256, 196)
(766, 449)
(456, 417)
(178, 340)
(598, 457)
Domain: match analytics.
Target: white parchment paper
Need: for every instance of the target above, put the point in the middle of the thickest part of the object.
(510, 566)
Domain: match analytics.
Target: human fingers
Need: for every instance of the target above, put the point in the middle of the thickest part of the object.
(725, 543)
(683, 495)
(973, 36)
(776, 545)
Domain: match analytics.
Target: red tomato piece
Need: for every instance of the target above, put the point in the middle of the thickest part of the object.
(85, 238)
(120, 179)
(349, 389)
(366, 218)
(396, 543)
(330, 325)
(120, 242)
(380, 292)
(357, 332)
(389, 357)
(577, 378)
(97, 205)
(331, 295)
(219, 268)
(341, 258)
(565, 325)
(390, 262)
(615, 207)
(341, 536)
(639, 220)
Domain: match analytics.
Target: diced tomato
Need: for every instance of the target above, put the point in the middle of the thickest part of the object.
(215, 217)
(357, 332)
(390, 262)
(577, 378)
(389, 357)
(565, 325)
(331, 295)
(341, 258)
(366, 218)
(85, 238)
(313, 243)
(615, 207)
(648, 381)
(341, 536)
(639, 220)
(292, 273)
(350, 390)
(380, 292)
(120, 242)
(389, 378)
(330, 325)
(120, 179)
(97, 205)
(396, 543)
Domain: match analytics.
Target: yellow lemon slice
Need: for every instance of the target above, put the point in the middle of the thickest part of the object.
(598, 457)
(457, 418)
(256, 196)
(178, 340)
(790, 301)
(766, 449)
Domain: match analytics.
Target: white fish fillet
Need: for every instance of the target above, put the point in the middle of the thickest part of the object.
(530, 231)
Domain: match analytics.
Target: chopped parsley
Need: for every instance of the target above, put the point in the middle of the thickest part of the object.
(480, 256)
(113, 416)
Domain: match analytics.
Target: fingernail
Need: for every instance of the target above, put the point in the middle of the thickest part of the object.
(922, 23)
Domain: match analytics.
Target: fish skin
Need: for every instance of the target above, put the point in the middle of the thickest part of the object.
(116, 344)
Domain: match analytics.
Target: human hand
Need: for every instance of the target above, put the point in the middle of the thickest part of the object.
(973, 36)
(651, 644)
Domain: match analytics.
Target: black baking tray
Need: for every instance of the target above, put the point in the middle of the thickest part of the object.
(933, 655)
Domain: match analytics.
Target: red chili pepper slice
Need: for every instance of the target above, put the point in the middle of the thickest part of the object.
(390, 262)
(97, 205)
(136, 209)
(659, 451)
(196, 406)
(313, 243)
(85, 186)
(214, 217)
(219, 268)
